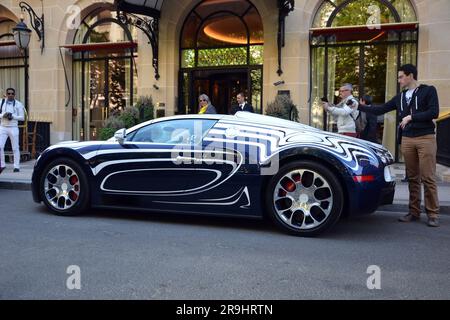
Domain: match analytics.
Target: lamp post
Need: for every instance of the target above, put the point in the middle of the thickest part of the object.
(37, 23)
(22, 35)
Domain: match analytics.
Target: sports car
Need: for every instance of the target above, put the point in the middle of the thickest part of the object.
(246, 165)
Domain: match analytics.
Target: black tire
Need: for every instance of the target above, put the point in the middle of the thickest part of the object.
(64, 174)
(309, 182)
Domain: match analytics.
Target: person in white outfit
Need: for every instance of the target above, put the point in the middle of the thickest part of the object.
(345, 112)
(12, 111)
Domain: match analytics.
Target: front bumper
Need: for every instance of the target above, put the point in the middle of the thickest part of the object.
(365, 198)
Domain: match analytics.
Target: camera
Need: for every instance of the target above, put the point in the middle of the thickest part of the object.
(324, 99)
(350, 103)
(8, 115)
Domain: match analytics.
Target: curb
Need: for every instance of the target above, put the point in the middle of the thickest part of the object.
(14, 185)
(443, 209)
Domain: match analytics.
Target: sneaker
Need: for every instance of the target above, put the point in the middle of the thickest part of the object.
(16, 170)
(433, 222)
(1, 169)
(409, 218)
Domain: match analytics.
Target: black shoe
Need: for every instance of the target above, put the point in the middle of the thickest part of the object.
(16, 170)
(433, 222)
(1, 169)
(409, 218)
(405, 179)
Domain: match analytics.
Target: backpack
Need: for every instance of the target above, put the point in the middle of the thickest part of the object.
(360, 120)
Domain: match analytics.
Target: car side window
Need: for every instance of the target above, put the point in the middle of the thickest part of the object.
(183, 131)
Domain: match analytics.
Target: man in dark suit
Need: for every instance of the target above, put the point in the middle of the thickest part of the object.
(242, 105)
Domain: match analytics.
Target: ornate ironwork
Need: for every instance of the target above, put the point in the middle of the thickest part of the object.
(150, 26)
(36, 22)
(284, 8)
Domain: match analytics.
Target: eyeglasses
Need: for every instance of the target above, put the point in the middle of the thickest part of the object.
(202, 100)
(10, 93)
(344, 90)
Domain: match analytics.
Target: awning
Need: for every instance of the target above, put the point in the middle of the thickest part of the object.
(353, 33)
(104, 46)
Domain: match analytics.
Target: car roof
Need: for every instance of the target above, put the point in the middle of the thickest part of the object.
(241, 116)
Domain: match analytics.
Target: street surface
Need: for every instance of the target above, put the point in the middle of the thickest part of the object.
(134, 255)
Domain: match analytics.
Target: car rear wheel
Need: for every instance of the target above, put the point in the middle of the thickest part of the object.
(304, 198)
(64, 187)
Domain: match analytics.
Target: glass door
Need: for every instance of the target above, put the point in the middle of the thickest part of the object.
(97, 93)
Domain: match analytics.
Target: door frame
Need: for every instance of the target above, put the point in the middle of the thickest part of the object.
(84, 65)
(230, 69)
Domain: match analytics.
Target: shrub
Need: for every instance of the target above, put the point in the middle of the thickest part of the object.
(283, 108)
(144, 110)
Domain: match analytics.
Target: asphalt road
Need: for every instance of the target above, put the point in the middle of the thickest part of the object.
(124, 255)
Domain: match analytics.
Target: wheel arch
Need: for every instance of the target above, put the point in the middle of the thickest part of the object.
(59, 153)
(324, 158)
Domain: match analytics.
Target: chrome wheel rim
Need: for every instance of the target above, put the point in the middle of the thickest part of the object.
(303, 199)
(62, 187)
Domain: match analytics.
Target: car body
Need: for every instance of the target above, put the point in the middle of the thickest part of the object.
(245, 165)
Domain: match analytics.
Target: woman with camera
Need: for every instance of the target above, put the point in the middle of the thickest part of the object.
(12, 112)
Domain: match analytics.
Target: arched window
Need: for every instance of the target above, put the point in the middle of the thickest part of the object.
(362, 42)
(220, 36)
(105, 76)
(338, 13)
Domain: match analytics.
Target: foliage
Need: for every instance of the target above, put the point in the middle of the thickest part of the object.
(117, 85)
(283, 108)
(146, 108)
(129, 117)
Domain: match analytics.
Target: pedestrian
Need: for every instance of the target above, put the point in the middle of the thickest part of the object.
(369, 132)
(242, 105)
(345, 112)
(205, 106)
(11, 113)
(417, 107)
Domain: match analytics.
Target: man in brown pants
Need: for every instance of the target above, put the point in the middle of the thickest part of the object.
(417, 106)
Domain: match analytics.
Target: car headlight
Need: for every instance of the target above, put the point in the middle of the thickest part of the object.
(389, 173)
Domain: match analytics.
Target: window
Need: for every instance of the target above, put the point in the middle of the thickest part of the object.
(105, 80)
(221, 54)
(189, 131)
(222, 33)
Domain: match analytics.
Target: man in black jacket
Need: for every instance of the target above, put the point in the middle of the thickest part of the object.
(417, 106)
(242, 104)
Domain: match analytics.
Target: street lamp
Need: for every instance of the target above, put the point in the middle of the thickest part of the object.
(22, 35)
(21, 31)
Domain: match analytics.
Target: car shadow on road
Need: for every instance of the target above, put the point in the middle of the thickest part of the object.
(347, 228)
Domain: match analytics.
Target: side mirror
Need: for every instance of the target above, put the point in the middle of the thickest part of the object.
(120, 135)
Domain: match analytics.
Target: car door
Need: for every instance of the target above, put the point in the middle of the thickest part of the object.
(155, 162)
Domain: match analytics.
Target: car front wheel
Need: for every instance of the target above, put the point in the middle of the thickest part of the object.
(64, 187)
(304, 198)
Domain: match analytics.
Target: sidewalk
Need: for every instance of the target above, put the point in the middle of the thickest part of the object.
(22, 181)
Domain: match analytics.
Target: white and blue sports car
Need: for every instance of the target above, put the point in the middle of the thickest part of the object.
(246, 165)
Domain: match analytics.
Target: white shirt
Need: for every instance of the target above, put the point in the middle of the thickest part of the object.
(409, 95)
(16, 108)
